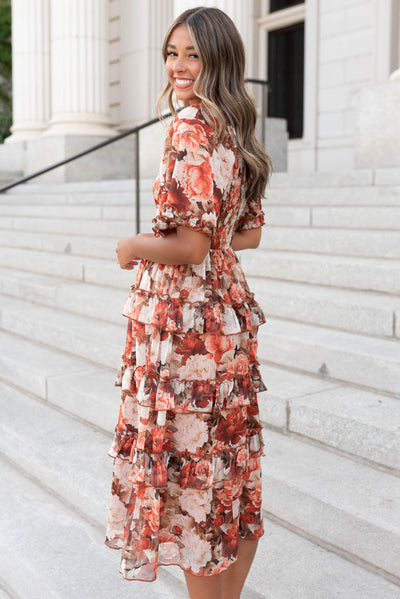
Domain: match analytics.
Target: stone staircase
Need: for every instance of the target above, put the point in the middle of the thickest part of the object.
(327, 274)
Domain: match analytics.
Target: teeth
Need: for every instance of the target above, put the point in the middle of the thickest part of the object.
(183, 81)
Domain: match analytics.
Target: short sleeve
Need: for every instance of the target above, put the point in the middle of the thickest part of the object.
(253, 216)
(187, 191)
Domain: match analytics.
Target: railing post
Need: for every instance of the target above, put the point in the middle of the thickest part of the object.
(137, 179)
(264, 89)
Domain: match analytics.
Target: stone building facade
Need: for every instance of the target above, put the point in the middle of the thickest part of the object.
(87, 69)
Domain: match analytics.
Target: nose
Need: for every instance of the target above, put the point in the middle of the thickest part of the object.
(179, 65)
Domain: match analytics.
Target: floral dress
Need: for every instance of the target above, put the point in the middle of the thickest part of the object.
(187, 447)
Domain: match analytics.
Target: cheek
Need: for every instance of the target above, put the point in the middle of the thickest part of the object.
(197, 72)
(168, 67)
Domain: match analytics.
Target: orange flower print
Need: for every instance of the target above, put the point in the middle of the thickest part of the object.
(229, 543)
(160, 314)
(237, 294)
(197, 181)
(187, 446)
(232, 429)
(203, 395)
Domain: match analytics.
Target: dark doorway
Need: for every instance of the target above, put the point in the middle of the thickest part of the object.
(286, 76)
(281, 4)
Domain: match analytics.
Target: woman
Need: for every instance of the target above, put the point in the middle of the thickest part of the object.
(187, 485)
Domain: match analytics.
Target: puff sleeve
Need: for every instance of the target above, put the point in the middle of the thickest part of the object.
(253, 216)
(187, 194)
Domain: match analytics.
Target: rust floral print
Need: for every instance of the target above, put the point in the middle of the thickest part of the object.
(187, 447)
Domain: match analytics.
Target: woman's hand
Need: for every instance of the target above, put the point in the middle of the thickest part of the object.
(126, 253)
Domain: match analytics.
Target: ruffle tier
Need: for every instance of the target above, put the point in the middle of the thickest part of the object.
(188, 396)
(187, 471)
(188, 442)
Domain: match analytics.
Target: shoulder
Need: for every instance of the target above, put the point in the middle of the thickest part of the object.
(190, 130)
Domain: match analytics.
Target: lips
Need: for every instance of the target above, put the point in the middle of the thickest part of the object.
(183, 83)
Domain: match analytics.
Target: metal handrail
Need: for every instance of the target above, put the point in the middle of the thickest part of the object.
(134, 131)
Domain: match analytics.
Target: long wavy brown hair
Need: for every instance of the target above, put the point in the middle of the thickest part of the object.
(220, 88)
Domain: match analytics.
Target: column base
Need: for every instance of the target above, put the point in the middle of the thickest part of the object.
(12, 157)
(111, 162)
(79, 129)
(377, 140)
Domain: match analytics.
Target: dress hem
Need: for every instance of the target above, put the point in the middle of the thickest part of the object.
(255, 536)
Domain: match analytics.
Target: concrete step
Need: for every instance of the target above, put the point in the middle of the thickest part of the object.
(65, 294)
(373, 244)
(293, 472)
(94, 212)
(329, 497)
(100, 228)
(66, 266)
(98, 342)
(372, 314)
(320, 195)
(354, 311)
(367, 274)
(361, 424)
(334, 217)
(296, 567)
(80, 245)
(50, 552)
(337, 179)
(359, 217)
(76, 192)
(71, 267)
(73, 384)
(288, 566)
(347, 357)
(356, 359)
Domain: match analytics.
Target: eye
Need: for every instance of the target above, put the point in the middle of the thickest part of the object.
(193, 55)
(171, 53)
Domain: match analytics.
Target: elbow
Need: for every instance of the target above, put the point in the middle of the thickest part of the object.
(256, 240)
(196, 256)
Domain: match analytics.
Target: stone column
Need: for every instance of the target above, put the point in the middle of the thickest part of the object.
(143, 27)
(142, 73)
(79, 68)
(31, 68)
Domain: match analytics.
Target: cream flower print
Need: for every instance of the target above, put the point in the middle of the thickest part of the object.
(198, 368)
(196, 503)
(221, 162)
(116, 518)
(182, 522)
(195, 551)
(188, 444)
(191, 433)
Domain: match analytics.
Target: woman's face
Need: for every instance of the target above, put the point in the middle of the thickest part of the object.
(183, 64)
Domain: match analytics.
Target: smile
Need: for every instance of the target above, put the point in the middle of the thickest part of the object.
(182, 83)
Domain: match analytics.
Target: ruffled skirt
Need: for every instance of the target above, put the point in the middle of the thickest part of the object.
(187, 447)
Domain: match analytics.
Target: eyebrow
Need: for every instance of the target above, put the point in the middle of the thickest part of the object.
(187, 47)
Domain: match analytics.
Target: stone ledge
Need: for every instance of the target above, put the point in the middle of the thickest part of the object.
(368, 274)
(330, 497)
(344, 357)
(359, 177)
(354, 421)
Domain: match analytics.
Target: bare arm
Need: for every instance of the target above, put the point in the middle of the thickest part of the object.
(181, 246)
(246, 239)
